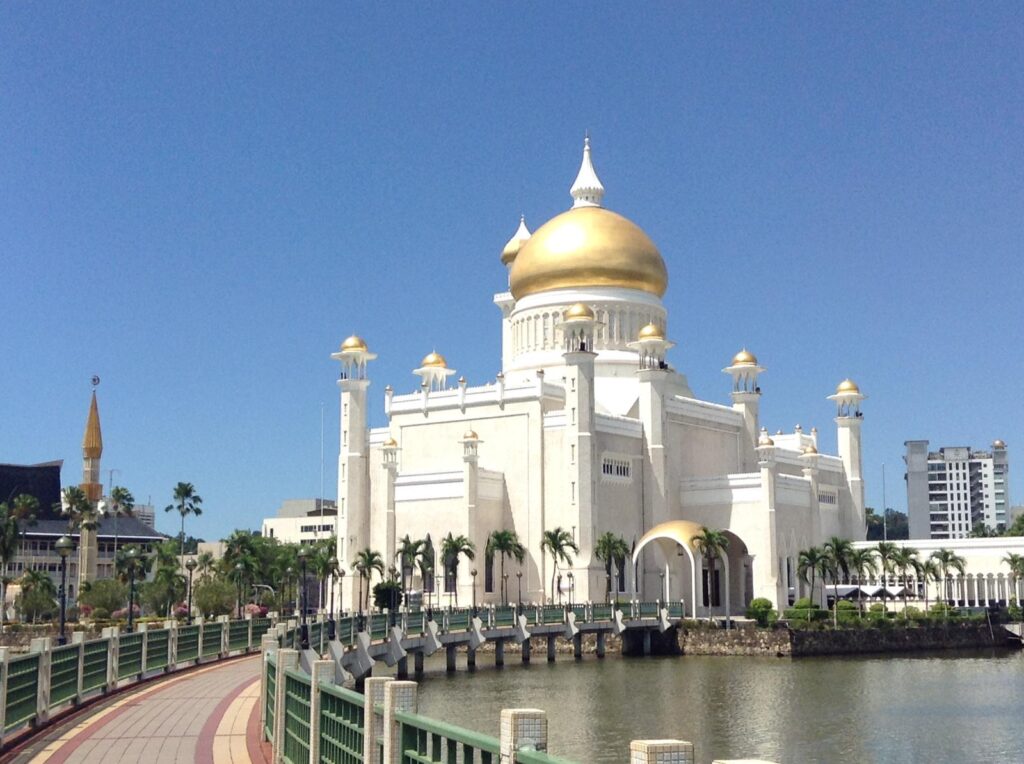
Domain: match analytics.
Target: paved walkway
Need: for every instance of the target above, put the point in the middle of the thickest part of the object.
(208, 716)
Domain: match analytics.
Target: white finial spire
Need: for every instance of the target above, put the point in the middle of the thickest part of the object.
(587, 191)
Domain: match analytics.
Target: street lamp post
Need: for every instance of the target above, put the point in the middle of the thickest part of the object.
(64, 546)
(341, 591)
(504, 588)
(428, 575)
(559, 588)
(288, 573)
(473, 574)
(519, 609)
(392, 605)
(332, 569)
(133, 556)
(190, 566)
(572, 586)
(239, 569)
(303, 627)
(661, 592)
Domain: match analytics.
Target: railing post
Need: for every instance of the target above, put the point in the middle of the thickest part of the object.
(78, 638)
(522, 728)
(269, 646)
(112, 634)
(225, 630)
(5, 653)
(658, 751)
(286, 659)
(248, 643)
(42, 646)
(172, 644)
(373, 693)
(143, 628)
(398, 696)
(321, 671)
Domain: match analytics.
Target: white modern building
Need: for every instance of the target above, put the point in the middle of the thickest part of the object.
(302, 521)
(954, 488)
(588, 427)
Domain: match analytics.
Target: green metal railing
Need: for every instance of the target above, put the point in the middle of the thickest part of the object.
(22, 690)
(188, 643)
(63, 674)
(552, 614)
(211, 639)
(94, 664)
(157, 645)
(296, 717)
(427, 741)
(260, 626)
(238, 635)
(129, 659)
(270, 668)
(342, 721)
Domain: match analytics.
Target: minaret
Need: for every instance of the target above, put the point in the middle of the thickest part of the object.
(92, 450)
(578, 328)
(353, 457)
(746, 399)
(848, 421)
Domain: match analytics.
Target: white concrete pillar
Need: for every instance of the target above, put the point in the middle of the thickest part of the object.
(373, 693)
(522, 728)
(398, 696)
(322, 671)
(42, 647)
(286, 659)
(661, 752)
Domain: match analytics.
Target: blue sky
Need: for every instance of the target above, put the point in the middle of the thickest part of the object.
(198, 202)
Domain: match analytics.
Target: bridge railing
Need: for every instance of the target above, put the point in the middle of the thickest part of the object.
(51, 678)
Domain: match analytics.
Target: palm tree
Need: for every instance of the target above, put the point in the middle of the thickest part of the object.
(885, 551)
(1016, 563)
(9, 542)
(927, 570)
(610, 549)
(205, 564)
(453, 547)
(840, 550)
(946, 559)
(559, 543)
(37, 580)
(903, 559)
(863, 563)
(410, 551)
(711, 544)
(188, 502)
(24, 508)
(121, 503)
(506, 544)
(367, 561)
(809, 563)
(80, 511)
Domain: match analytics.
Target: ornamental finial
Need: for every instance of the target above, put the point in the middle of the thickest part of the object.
(587, 190)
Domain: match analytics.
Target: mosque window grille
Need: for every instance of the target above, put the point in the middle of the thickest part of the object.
(616, 469)
(825, 497)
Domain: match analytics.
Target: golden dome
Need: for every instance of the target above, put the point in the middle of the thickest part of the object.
(579, 310)
(354, 343)
(998, 444)
(390, 443)
(652, 332)
(810, 451)
(522, 235)
(588, 247)
(847, 386)
(434, 359)
(744, 358)
(470, 435)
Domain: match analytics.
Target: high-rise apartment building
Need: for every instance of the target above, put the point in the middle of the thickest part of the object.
(951, 490)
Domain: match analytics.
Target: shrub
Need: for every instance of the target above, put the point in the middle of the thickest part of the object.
(100, 614)
(760, 609)
(914, 613)
(122, 613)
(846, 605)
(803, 603)
(214, 597)
(387, 594)
(108, 594)
(805, 614)
(256, 611)
(877, 607)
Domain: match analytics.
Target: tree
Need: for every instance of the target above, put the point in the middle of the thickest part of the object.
(711, 544)
(903, 560)
(1016, 565)
(1016, 528)
(885, 551)
(108, 594)
(410, 551)
(862, 561)
(558, 542)
(80, 511)
(367, 560)
(506, 544)
(809, 563)
(187, 502)
(205, 564)
(9, 542)
(167, 588)
(452, 549)
(927, 570)
(214, 596)
(121, 503)
(839, 549)
(946, 559)
(897, 526)
(610, 549)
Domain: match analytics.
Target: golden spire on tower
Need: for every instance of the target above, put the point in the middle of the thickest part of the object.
(92, 443)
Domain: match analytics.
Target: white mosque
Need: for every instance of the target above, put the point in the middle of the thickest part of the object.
(587, 427)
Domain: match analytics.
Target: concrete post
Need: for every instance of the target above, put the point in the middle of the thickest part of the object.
(248, 641)
(225, 622)
(601, 636)
(143, 629)
(499, 652)
(4, 658)
(42, 646)
(172, 644)
(661, 752)
(269, 645)
(112, 633)
(551, 648)
(323, 671)
(398, 696)
(78, 638)
(522, 728)
(373, 692)
(417, 663)
(526, 651)
(450, 659)
(286, 659)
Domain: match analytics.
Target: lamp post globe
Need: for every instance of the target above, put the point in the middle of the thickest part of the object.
(519, 575)
(190, 566)
(64, 545)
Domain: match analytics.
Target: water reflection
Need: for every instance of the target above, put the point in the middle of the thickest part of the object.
(948, 707)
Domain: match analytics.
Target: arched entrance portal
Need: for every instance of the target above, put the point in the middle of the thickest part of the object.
(680, 573)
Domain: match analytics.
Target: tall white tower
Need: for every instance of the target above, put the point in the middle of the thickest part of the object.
(849, 418)
(746, 399)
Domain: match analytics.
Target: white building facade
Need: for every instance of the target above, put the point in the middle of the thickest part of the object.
(587, 427)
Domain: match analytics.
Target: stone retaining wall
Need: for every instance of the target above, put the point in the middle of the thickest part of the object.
(782, 642)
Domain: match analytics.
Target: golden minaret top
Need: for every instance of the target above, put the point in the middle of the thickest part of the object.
(92, 443)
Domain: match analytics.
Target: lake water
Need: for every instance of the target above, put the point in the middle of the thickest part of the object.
(950, 707)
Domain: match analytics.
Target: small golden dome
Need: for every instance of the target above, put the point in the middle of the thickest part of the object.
(744, 358)
(390, 443)
(765, 439)
(810, 450)
(847, 386)
(354, 343)
(588, 247)
(579, 310)
(434, 359)
(998, 444)
(470, 435)
(652, 332)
